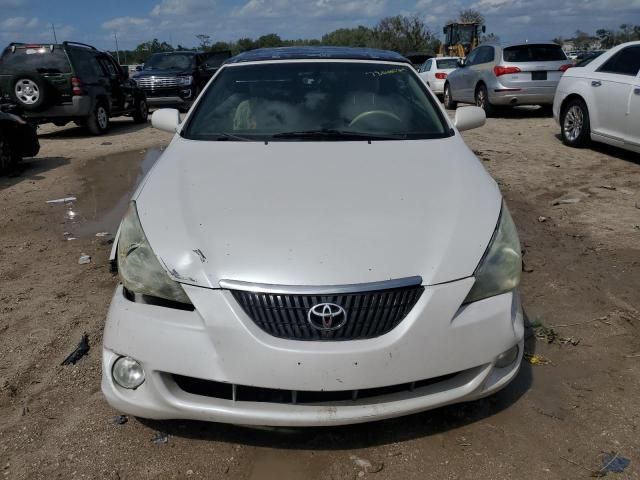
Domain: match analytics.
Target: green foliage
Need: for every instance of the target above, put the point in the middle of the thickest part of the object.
(470, 15)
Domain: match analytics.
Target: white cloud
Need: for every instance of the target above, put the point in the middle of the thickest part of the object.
(122, 23)
(347, 9)
(183, 8)
(19, 23)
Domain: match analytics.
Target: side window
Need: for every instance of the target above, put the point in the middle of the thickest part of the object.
(472, 57)
(485, 55)
(107, 65)
(85, 63)
(427, 65)
(625, 62)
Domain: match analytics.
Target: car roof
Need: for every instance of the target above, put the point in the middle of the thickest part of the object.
(317, 53)
(518, 44)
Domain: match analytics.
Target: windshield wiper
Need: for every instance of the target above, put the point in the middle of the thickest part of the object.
(222, 136)
(334, 133)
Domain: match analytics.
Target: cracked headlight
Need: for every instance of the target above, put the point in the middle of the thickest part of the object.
(139, 268)
(500, 269)
(184, 81)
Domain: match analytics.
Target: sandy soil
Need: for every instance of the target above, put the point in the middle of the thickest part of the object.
(554, 422)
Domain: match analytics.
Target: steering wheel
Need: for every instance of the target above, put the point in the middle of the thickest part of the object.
(382, 113)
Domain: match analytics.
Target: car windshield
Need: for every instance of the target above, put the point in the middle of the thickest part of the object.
(447, 63)
(169, 61)
(319, 100)
(534, 53)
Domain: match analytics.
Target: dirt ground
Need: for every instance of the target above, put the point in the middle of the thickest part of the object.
(581, 292)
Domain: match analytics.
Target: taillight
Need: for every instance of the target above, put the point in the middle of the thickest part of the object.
(498, 71)
(566, 67)
(76, 86)
(441, 76)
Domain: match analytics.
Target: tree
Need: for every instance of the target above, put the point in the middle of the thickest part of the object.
(582, 40)
(205, 41)
(146, 49)
(490, 37)
(269, 41)
(558, 40)
(404, 34)
(470, 15)
(349, 37)
(221, 46)
(606, 37)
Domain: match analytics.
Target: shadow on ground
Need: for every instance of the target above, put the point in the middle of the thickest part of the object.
(361, 435)
(31, 169)
(72, 131)
(610, 150)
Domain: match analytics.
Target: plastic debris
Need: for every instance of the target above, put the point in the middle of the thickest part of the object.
(71, 238)
(565, 201)
(160, 438)
(612, 462)
(62, 200)
(84, 259)
(120, 419)
(534, 359)
(542, 219)
(81, 350)
(102, 234)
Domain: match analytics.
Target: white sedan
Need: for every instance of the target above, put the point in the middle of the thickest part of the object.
(316, 246)
(600, 100)
(435, 71)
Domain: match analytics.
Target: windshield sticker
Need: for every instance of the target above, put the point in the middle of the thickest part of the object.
(381, 73)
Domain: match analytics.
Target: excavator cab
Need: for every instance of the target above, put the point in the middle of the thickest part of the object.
(461, 38)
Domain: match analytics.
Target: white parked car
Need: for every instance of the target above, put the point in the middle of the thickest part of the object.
(316, 246)
(435, 71)
(600, 100)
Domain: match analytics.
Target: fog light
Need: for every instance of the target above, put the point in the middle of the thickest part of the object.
(507, 358)
(127, 373)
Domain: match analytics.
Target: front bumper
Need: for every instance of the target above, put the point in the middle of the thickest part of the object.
(218, 342)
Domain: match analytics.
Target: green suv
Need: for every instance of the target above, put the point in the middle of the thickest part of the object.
(69, 82)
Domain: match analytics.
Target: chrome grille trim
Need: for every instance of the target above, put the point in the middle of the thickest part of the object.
(319, 289)
(156, 82)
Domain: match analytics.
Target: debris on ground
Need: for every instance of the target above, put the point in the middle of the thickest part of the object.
(612, 462)
(81, 350)
(119, 419)
(542, 219)
(102, 234)
(84, 259)
(366, 465)
(608, 187)
(62, 200)
(565, 201)
(160, 438)
(549, 335)
(535, 359)
(106, 143)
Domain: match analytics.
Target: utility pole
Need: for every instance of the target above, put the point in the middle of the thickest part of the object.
(117, 49)
(55, 38)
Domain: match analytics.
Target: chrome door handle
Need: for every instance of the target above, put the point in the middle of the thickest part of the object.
(596, 83)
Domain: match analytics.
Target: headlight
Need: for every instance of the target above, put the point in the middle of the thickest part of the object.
(501, 267)
(185, 80)
(139, 269)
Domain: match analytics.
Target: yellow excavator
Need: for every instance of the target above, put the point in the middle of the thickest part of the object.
(460, 38)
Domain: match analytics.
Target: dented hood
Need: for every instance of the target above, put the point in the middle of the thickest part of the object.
(322, 213)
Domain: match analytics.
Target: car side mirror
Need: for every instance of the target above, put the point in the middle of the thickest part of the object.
(167, 119)
(461, 63)
(468, 118)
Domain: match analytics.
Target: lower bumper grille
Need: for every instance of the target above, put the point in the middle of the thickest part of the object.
(365, 314)
(243, 393)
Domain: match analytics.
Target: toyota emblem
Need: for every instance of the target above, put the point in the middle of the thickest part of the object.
(327, 317)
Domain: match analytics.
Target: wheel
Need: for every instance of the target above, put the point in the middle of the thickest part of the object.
(482, 100)
(98, 121)
(141, 112)
(449, 104)
(574, 124)
(8, 158)
(29, 91)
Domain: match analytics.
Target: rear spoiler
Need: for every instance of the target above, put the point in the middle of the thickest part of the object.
(14, 46)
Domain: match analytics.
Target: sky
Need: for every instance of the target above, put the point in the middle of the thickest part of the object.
(178, 21)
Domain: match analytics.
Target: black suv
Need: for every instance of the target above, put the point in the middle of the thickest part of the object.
(69, 82)
(176, 78)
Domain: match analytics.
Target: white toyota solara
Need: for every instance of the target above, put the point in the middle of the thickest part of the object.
(316, 246)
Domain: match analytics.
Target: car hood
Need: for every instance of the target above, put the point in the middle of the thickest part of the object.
(325, 213)
(161, 73)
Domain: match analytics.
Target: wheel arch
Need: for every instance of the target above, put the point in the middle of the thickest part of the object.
(568, 98)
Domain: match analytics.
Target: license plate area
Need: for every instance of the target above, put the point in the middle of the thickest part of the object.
(538, 75)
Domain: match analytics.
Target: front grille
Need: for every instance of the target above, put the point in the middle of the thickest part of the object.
(368, 314)
(244, 393)
(156, 82)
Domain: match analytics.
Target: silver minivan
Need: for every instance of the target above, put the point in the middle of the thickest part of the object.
(507, 75)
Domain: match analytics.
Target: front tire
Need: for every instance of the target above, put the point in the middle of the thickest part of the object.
(141, 113)
(482, 100)
(449, 103)
(98, 121)
(575, 128)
